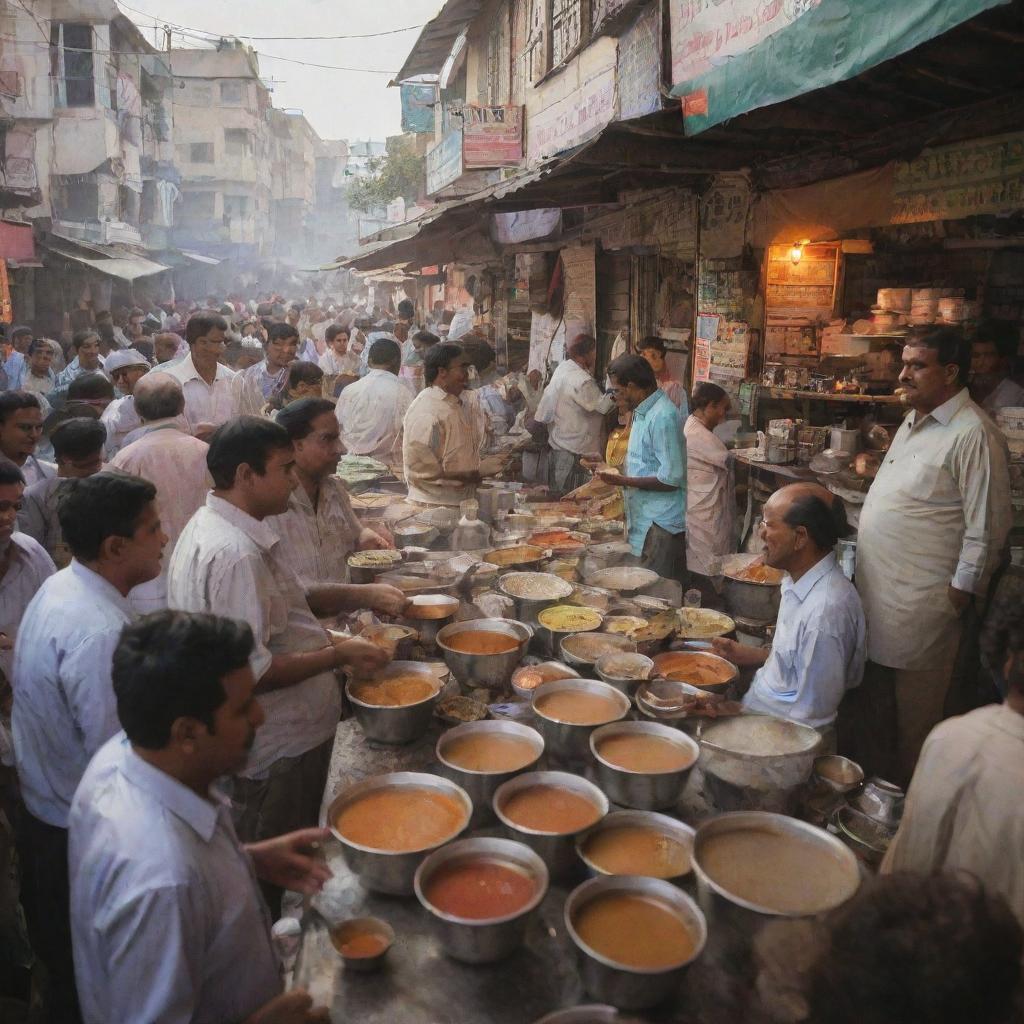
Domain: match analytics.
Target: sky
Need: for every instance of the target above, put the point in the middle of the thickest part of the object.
(339, 104)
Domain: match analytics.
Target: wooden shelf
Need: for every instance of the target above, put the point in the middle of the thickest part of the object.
(820, 396)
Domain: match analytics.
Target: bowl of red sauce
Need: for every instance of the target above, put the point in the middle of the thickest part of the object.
(362, 942)
(480, 895)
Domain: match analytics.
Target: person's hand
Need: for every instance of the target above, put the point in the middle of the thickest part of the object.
(360, 657)
(615, 479)
(739, 654)
(295, 1007)
(959, 599)
(290, 861)
(371, 540)
(535, 379)
(384, 598)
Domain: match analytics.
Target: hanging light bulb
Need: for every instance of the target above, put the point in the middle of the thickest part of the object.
(796, 253)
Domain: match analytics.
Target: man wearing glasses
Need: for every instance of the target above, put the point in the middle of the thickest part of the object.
(210, 398)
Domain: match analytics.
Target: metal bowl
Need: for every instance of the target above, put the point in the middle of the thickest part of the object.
(414, 534)
(491, 671)
(868, 838)
(555, 589)
(518, 556)
(574, 648)
(403, 723)
(837, 773)
(633, 988)
(430, 607)
(483, 940)
(676, 666)
(556, 849)
(399, 638)
(412, 584)
(384, 870)
(644, 791)
(745, 598)
(625, 579)
(371, 925)
(882, 801)
(609, 668)
(369, 573)
(564, 739)
(661, 823)
(481, 785)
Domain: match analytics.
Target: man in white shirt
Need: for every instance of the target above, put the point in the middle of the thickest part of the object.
(574, 408)
(320, 530)
(992, 353)
(167, 920)
(817, 653)
(210, 398)
(21, 427)
(230, 561)
(174, 461)
(370, 412)
(64, 707)
(932, 531)
(125, 367)
(258, 384)
(443, 432)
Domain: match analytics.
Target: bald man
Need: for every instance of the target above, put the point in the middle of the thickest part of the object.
(818, 650)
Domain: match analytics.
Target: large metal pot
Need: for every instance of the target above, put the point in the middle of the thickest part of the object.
(383, 870)
(401, 724)
(491, 671)
(565, 740)
(678, 666)
(758, 602)
(482, 941)
(555, 589)
(633, 988)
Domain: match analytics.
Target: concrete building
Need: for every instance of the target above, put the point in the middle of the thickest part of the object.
(296, 144)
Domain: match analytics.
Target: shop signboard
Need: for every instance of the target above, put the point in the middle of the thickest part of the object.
(573, 119)
(732, 56)
(639, 66)
(444, 162)
(723, 217)
(492, 136)
(950, 182)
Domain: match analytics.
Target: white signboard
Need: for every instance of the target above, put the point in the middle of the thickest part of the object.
(444, 162)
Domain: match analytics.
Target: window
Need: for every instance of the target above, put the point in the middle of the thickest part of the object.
(81, 200)
(71, 64)
(566, 29)
(200, 153)
(235, 207)
(237, 142)
(128, 204)
(535, 51)
(232, 94)
(198, 207)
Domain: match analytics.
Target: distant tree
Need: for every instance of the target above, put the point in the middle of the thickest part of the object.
(400, 172)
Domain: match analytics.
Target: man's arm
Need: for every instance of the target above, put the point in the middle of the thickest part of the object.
(329, 599)
(592, 399)
(89, 690)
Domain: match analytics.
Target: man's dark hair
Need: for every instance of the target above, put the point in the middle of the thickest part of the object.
(950, 345)
(581, 345)
(1004, 334)
(705, 394)
(385, 352)
(406, 309)
(38, 345)
(479, 353)
(653, 342)
(439, 357)
(171, 665)
(1003, 635)
(201, 324)
(10, 473)
(14, 401)
(281, 332)
(91, 385)
(824, 523)
(304, 372)
(19, 331)
(633, 369)
(927, 948)
(245, 440)
(102, 506)
(334, 330)
(78, 438)
(82, 337)
(297, 417)
(426, 338)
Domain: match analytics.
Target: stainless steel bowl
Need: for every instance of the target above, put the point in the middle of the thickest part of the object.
(882, 801)
(491, 671)
(577, 649)
(633, 988)
(837, 773)
(481, 786)
(385, 870)
(662, 823)
(556, 849)
(625, 579)
(402, 724)
(745, 598)
(565, 740)
(644, 791)
(399, 638)
(370, 925)
(640, 669)
(484, 940)
(413, 534)
(672, 665)
(527, 608)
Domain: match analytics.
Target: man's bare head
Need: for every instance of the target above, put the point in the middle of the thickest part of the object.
(802, 523)
(158, 396)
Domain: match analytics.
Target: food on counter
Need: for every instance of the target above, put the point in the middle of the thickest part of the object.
(479, 889)
(693, 668)
(637, 931)
(703, 623)
(482, 641)
(401, 819)
(624, 665)
(565, 618)
(556, 810)
(866, 464)
(783, 873)
(588, 647)
(647, 754)
(520, 554)
(577, 707)
(529, 677)
(374, 558)
(549, 538)
(459, 710)
(756, 572)
(624, 625)
(395, 691)
(489, 752)
(535, 586)
(357, 944)
(637, 850)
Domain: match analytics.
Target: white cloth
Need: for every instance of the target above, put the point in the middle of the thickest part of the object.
(938, 513)
(228, 563)
(332, 364)
(818, 650)
(462, 323)
(175, 463)
(710, 499)
(316, 542)
(1006, 394)
(34, 470)
(255, 386)
(167, 920)
(370, 414)
(547, 342)
(964, 810)
(64, 707)
(205, 403)
(120, 419)
(574, 409)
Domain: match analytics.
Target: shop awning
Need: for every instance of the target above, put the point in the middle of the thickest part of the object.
(113, 263)
(198, 257)
(435, 42)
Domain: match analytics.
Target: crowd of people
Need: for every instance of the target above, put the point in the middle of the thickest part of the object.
(173, 547)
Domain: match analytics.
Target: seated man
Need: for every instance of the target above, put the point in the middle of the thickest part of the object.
(992, 353)
(818, 650)
(167, 920)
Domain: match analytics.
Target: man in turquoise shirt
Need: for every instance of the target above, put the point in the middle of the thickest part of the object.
(654, 480)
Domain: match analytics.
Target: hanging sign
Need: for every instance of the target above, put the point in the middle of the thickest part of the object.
(444, 162)
(492, 136)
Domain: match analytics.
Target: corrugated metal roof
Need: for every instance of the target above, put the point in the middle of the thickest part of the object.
(125, 268)
(435, 42)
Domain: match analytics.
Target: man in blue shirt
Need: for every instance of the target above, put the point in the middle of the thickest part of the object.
(654, 480)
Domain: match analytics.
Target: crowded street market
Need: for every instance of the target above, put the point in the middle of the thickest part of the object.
(577, 580)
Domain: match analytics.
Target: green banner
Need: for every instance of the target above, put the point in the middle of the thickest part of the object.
(733, 56)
